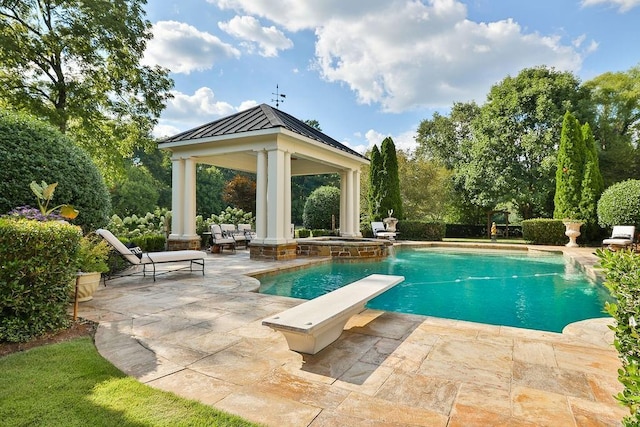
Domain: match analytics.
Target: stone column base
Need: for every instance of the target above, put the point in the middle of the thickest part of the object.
(192, 243)
(270, 252)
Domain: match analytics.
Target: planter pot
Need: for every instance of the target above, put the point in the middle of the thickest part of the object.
(87, 284)
(572, 232)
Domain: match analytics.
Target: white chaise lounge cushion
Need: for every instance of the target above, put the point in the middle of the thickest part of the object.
(118, 246)
(622, 235)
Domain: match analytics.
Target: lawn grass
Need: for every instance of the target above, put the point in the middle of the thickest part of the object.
(70, 384)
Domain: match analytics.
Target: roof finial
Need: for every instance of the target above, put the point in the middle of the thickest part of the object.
(279, 97)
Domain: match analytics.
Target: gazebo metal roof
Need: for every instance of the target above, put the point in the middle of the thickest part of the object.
(260, 117)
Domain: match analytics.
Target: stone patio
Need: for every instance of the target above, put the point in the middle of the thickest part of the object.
(202, 338)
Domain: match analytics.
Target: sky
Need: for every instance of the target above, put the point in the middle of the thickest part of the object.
(368, 69)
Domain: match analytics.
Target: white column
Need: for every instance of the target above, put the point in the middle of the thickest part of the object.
(275, 197)
(287, 196)
(177, 202)
(349, 211)
(189, 190)
(261, 196)
(343, 203)
(356, 207)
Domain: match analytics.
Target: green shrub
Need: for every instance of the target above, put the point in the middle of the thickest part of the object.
(622, 274)
(322, 203)
(319, 232)
(34, 151)
(148, 242)
(543, 231)
(420, 230)
(36, 278)
(156, 223)
(620, 204)
(303, 233)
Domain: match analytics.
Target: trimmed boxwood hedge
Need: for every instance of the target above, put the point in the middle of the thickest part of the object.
(620, 204)
(543, 231)
(38, 269)
(420, 230)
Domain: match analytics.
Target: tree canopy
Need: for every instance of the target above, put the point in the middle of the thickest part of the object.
(77, 65)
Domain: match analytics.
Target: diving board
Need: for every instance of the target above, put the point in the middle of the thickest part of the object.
(314, 324)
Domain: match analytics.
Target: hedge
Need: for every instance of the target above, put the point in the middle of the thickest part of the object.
(36, 278)
(622, 275)
(620, 204)
(420, 230)
(543, 231)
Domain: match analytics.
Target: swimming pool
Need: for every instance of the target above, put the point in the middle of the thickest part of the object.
(514, 288)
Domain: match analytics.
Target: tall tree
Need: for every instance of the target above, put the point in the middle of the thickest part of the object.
(77, 64)
(512, 157)
(592, 181)
(425, 187)
(569, 170)
(240, 193)
(390, 182)
(617, 124)
(210, 185)
(375, 192)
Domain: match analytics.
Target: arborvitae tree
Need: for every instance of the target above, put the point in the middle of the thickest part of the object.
(592, 182)
(570, 170)
(391, 198)
(375, 194)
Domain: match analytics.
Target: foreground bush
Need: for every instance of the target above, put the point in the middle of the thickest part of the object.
(38, 268)
(33, 151)
(542, 231)
(622, 273)
(620, 204)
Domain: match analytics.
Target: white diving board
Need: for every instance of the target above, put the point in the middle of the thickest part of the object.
(314, 324)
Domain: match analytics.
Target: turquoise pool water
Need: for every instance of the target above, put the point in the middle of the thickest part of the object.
(534, 291)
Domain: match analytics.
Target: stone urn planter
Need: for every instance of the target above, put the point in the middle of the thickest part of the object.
(572, 232)
(87, 284)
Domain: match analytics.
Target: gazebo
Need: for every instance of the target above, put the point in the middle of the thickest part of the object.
(275, 146)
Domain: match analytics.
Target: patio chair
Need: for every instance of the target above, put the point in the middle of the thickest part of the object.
(249, 234)
(218, 239)
(230, 230)
(135, 257)
(380, 231)
(621, 237)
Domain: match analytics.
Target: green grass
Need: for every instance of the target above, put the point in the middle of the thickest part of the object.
(70, 384)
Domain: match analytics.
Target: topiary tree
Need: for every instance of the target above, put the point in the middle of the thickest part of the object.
(620, 204)
(34, 151)
(390, 182)
(592, 182)
(570, 170)
(322, 203)
(375, 195)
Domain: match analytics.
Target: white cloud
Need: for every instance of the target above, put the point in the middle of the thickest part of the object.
(165, 131)
(182, 48)
(269, 39)
(623, 5)
(404, 141)
(408, 54)
(186, 111)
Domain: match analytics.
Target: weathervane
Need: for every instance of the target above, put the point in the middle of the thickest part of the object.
(279, 97)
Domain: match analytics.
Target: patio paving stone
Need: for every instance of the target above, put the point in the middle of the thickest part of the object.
(203, 338)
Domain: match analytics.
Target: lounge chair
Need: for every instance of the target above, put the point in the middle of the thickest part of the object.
(230, 230)
(380, 231)
(621, 237)
(152, 258)
(246, 230)
(218, 239)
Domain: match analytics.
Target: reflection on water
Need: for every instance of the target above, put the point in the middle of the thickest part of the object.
(504, 288)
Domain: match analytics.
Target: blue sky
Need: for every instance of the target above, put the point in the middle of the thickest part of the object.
(367, 69)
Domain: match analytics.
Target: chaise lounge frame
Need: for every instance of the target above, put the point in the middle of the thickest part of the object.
(152, 258)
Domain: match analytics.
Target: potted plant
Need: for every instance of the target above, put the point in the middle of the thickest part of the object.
(91, 262)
